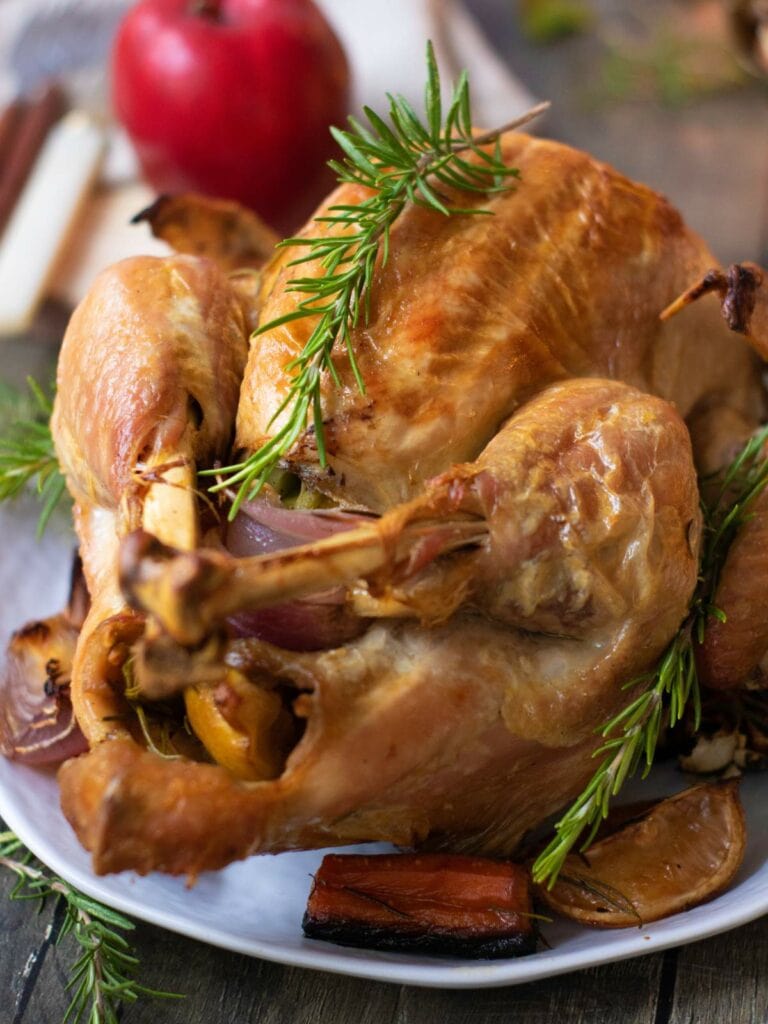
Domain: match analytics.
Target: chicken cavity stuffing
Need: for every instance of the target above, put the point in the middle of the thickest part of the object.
(508, 529)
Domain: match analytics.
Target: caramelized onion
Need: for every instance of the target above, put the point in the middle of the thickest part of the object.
(300, 526)
(52, 735)
(307, 625)
(37, 725)
(299, 625)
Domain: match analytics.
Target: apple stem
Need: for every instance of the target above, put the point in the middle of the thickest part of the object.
(206, 9)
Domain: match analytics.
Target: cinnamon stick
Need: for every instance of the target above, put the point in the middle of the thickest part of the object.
(27, 129)
(10, 119)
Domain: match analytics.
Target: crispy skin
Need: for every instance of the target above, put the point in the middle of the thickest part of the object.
(471, 316)
(733, 649)
(466, 733)
(148, 375)
(225, 232)
(550, 501)
(155, 351)
(442, 735)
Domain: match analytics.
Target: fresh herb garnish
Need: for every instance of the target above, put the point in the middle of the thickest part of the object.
(102, 978)
(403, 161)
(27, 454)
(631, 737)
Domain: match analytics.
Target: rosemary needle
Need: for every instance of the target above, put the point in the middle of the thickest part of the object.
(27, 454)
(102, 978)
(402, 161)
(630, 738)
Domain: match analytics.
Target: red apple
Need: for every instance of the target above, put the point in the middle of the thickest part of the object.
(233, 98)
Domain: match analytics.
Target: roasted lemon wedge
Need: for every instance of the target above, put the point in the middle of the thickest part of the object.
(244, 727)
(681, 852)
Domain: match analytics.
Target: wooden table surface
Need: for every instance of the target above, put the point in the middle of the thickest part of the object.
(710, 157)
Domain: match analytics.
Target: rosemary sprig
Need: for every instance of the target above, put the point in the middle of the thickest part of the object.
(631, 737)
(27, 454)
(102, 977)
(405, 160)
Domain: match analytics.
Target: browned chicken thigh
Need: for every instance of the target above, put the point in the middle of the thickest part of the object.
(148, 377)
(529, 540)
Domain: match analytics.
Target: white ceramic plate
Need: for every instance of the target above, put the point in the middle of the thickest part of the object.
(256, 907)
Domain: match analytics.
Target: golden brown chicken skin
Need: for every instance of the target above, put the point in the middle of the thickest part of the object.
(487, 403)
(154, 353)
(444, 734)
(471, 316)
(148, 380)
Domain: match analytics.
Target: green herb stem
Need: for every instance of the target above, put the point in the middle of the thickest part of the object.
(102, 978)
(631, 737)
(28, 457)
(403, 161)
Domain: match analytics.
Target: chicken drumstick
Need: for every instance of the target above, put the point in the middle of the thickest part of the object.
(148, 380)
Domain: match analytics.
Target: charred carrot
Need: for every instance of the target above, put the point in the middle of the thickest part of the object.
(431, 903)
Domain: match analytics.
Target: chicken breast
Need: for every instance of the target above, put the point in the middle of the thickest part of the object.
(471, 316)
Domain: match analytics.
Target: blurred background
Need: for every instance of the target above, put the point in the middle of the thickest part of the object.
(672, 92)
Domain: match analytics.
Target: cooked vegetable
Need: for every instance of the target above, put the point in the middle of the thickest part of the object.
(431, 903)
(325, 620)
(37, 724)
(36, 721)
(682, 852)
(244, 727)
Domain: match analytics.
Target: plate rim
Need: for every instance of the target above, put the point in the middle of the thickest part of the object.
(629, 942)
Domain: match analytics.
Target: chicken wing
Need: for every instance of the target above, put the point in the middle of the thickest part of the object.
(148, 379)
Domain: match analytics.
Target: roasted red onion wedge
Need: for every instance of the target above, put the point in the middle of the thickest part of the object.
(37, 725)
(300, 625)
(261, 527)
(307, 625)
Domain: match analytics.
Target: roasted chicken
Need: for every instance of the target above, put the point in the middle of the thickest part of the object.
(508, 525)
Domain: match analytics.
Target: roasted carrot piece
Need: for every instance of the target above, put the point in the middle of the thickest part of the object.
(431, 903)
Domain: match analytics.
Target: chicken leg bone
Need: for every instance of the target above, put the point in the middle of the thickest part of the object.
(538, 518)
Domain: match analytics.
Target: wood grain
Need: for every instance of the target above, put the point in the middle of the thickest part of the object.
(223, 988)
(723, 979)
